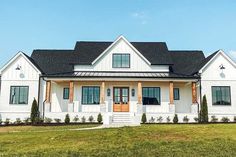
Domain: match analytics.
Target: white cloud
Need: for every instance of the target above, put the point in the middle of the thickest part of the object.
(141, 16)
(232, 54)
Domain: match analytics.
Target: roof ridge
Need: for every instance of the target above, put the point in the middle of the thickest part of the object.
(185, 50)
(53, 50)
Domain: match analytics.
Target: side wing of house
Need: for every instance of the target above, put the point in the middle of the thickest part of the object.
(19, 86)
(219, 85)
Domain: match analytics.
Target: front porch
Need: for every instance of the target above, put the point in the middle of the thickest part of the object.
(124, 98)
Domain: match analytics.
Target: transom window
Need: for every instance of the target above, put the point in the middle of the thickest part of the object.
(176, 93)
(19, 94)
(66, 93)
(121, 60)
(151, 95)
(221, 95)
(90, 95)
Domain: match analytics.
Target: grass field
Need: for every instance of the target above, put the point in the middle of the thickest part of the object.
(146, 140)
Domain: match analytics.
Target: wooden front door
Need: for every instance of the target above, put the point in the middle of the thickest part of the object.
(121, 99)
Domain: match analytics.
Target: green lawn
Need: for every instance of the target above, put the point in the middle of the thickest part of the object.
(146, 140)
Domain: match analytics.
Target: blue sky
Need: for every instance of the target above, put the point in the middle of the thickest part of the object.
(49, 24)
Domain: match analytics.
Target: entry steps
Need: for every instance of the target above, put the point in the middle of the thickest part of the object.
(121, 118)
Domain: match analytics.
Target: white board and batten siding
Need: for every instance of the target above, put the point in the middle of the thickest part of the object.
(137, 63)
(28, 75)
(212, 75)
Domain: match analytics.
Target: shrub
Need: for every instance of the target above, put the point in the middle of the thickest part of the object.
(7, 121)
(168, 119)
(26, 120)
(196, 119)
(57, 120)
(99, 119)
(67, 119)
(151, 120)
(18, 121)
(0, 121)
(34, 113)
(175, 119)
(91, 119)
(144, 118)
(214, 119)
(204, 111)
(234, 118)
(185, 119)
(83, 119)
(160, 119)
(225, 119)
(76, 118)
(47, 120)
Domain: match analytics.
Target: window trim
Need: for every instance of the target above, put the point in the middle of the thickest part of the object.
(159, 96)
(82, 99)
(65, 98)
(178, 94)
(221, 104)
(11, 102)
(121, 59)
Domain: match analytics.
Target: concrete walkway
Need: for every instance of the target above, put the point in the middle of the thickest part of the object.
(106, 126)
(80, 129)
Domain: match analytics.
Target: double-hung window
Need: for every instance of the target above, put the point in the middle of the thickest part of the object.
(151, 95)
(221, 95)
(66, 93)
(176, 93)
(90, 95)
(121, 60)
(19, 94)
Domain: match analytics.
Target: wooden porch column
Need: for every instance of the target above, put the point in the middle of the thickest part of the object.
(171, 90)
(102, 101)
(71, 96)
(139, 93)
(48, 92)
(194, 93)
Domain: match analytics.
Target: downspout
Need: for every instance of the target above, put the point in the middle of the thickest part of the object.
(200, 88)
(44, 100)
(200, 95)
(39, 90)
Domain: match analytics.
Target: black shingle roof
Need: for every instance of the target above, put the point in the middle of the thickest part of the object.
(154, 52)
(185, 62)
(62, 61)
(53, 61)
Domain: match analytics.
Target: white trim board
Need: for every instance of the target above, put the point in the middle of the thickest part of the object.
(224, 55)
(117, 40)
(15, 57)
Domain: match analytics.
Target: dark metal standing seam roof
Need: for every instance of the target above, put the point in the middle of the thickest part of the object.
(107, 74)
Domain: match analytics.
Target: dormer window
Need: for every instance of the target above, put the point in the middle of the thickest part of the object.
(121, 60)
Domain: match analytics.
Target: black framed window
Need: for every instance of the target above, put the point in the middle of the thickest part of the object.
(19, 94)
(221, 95)
(121, 60)
(151, 95)
(176, 93)
(66, 93)
(90, 95)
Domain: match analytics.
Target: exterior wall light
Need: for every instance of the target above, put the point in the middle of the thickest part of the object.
(133, 92)
(108, 92)
(222, 68)
(18, 67)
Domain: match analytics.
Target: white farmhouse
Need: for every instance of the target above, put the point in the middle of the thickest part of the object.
(121, 80)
